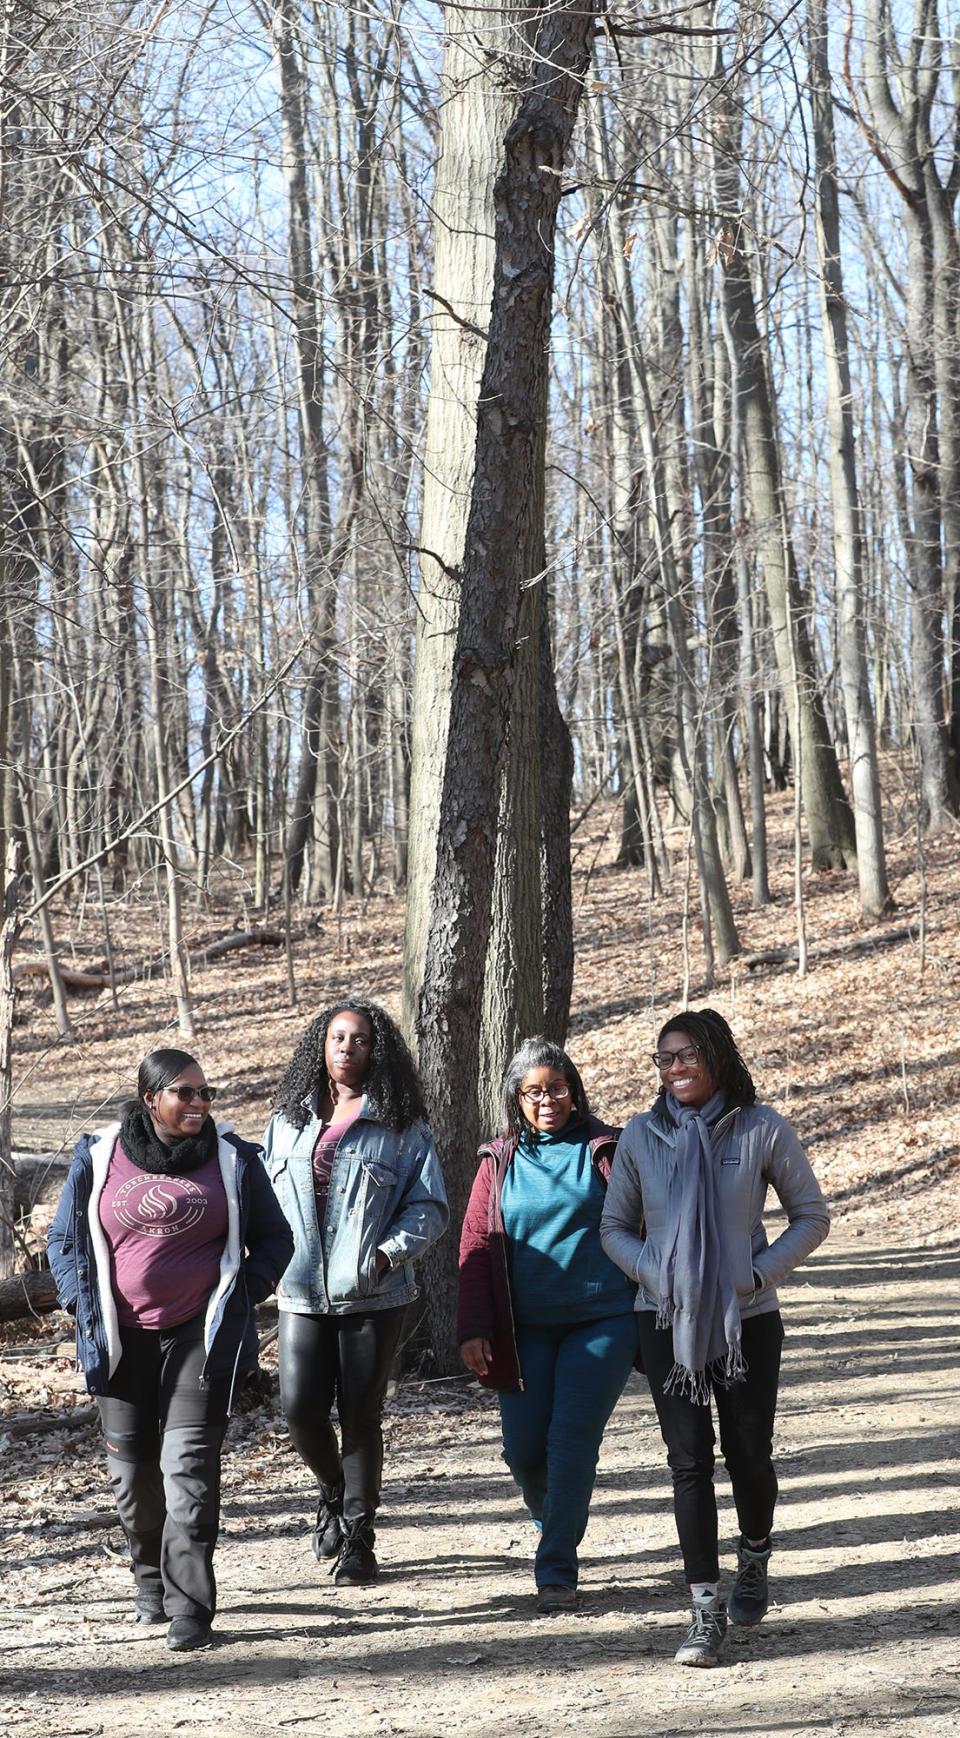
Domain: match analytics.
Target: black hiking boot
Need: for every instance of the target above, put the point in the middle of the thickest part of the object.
(750, 1595)
(187, 1634)
(328, 1530)
(356, 1565)
(149, 1606)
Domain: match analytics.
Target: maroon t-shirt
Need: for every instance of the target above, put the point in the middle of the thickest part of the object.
(324, 1151)
(166, 1237)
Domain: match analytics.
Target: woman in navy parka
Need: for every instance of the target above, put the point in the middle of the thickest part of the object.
(166, 1236)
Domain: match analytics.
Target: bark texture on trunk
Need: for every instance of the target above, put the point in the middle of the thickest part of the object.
(829, 818)
(847, 529)
(497, 628)
(902, 141)
(475, 112)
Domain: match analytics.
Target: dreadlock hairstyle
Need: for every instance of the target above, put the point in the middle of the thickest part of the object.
(715, 1041)
(538, 1053)
(391, 1083)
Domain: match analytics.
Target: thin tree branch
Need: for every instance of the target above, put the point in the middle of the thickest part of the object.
(156, 808)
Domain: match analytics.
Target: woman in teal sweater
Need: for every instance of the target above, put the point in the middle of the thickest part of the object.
(544, 1315)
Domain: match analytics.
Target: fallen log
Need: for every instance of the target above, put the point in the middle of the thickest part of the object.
(778, 956)
(23, 1424)
(38, 1180)
(74, 979)
(27, 1294)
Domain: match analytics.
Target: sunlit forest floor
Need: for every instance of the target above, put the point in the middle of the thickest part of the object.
(862, 1055)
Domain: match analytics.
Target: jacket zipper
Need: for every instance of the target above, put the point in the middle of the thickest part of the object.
(93, 1283)
(497, 1194)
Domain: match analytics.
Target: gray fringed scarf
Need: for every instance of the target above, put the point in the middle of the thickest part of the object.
(697, 1296)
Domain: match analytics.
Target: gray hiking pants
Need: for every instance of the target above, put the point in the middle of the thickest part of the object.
(163, 1434)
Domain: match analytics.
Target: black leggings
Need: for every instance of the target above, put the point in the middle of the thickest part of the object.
(745, 1414)
(164, 1433)
(346, 1358)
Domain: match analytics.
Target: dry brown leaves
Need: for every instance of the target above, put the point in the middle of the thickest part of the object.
(862, 1054)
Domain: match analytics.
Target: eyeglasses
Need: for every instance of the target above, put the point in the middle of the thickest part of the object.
(187, 1094)
(664, 1059)
(537, 1094)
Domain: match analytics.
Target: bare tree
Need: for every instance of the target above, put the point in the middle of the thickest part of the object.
(847, 536)
(501, 563)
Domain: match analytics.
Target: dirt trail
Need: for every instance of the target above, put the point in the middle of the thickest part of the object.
(862, 1639)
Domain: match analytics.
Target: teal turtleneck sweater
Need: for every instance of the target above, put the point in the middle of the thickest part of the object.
(552, 1201)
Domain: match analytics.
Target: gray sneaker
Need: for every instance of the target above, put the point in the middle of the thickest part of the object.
(708, 1626)
(750, 1595)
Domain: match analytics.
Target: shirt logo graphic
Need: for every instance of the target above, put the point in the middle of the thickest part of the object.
(159, 1208)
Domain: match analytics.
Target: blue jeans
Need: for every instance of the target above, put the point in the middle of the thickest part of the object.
(573, 1374)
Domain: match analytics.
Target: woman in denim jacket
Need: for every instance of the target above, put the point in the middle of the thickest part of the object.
(356, 1172)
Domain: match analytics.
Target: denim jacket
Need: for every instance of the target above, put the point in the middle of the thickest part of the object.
(386, 1193)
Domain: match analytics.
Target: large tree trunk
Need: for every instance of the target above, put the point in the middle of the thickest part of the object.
(27, 1294)
(847, 532)
(829, 819)
(502, 545)
(325, 547)
(475, 113)
(901, 140)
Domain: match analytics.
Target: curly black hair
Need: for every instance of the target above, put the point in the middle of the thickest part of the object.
(538, 1053)
(715, 1041)
(391, 1083)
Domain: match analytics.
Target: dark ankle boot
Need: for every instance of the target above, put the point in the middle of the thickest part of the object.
(356, 1565)
(149, 1606)
(328, 1531)
(186, 1634)
(750, 1597)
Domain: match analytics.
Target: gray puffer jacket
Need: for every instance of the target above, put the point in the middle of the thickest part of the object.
(754, 1147)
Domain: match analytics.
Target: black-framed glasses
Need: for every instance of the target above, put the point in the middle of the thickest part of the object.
(537, 1094)
(187, 1094)
(664, 1059)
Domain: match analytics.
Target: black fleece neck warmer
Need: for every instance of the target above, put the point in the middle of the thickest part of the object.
(142, 1144)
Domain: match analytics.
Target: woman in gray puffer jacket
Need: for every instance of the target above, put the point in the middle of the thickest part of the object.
(684, 1218)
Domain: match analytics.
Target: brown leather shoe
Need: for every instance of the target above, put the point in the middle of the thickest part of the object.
(556, 1599)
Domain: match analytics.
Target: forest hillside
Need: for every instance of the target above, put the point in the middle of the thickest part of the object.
(862, 1053)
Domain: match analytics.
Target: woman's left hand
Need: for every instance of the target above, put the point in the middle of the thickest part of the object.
(383, 1262)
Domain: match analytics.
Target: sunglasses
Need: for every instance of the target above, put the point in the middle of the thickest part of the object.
(187, 1094)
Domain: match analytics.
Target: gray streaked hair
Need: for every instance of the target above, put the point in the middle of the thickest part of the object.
(538, 1052)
